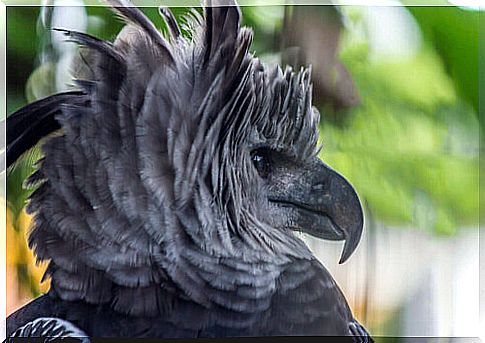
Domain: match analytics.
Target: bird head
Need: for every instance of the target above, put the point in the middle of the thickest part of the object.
(268, 158)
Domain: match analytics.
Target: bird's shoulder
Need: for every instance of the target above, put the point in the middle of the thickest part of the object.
(40, 307)
(94, 320)
(307, 301)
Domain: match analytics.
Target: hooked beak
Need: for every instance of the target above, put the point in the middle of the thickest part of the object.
(328, 207)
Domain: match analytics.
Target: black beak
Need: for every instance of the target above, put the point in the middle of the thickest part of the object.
(328, 207)
(341, 204)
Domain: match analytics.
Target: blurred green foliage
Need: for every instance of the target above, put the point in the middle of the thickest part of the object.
(454, 33)
(410, 149)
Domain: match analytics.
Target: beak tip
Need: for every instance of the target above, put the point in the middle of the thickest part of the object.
(343, 258)
(350, 246)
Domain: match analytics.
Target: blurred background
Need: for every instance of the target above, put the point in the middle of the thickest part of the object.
(397, 88)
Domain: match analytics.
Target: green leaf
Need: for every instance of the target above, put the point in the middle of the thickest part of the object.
(454, 32)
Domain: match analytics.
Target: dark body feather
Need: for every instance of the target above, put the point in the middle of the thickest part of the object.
(303, 306)
(147, 204)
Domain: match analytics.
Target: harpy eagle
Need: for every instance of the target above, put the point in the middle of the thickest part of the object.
(166, 203)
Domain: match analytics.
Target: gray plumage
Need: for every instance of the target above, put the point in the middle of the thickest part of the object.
(166, 207)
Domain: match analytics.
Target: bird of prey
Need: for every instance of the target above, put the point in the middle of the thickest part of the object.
(166, 202)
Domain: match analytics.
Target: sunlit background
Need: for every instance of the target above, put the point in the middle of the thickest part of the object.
(397, 88)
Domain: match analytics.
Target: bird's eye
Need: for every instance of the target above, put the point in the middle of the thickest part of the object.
(261, 161)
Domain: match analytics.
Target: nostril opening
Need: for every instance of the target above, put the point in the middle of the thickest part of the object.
(319, 186)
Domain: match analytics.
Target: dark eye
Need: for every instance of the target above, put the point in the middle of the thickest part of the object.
(261, 160)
